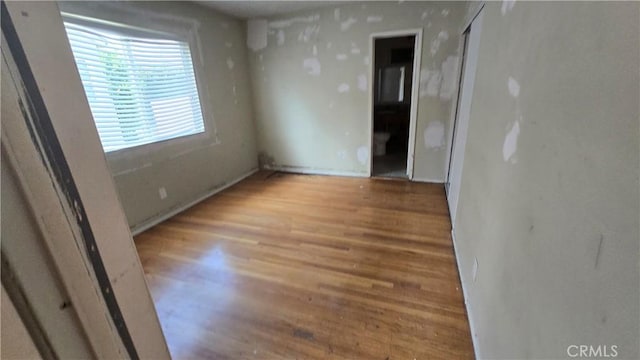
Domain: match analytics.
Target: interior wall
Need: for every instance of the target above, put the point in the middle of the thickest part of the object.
(311, 76)
(547, 231)
(200, 167)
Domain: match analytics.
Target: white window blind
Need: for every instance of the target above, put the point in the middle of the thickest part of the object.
(141, 89)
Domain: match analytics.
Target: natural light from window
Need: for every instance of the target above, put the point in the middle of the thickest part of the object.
(141, 89)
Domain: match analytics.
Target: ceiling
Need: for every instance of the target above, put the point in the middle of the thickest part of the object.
(255, 9)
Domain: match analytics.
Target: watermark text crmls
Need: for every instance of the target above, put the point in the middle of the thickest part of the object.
(592, 351)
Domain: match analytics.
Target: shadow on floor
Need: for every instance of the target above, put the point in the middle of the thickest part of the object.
(390, 165)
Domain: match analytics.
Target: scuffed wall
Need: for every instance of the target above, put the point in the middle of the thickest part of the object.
(547, 229)
(311, 75)
(193, 168)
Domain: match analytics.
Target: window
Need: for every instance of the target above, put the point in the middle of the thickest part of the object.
(140, 85)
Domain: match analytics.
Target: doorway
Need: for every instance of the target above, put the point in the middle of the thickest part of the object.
(395, 68)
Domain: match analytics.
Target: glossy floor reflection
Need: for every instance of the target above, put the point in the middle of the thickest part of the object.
(286, 266)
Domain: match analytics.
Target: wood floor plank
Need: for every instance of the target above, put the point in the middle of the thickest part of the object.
(284, 266)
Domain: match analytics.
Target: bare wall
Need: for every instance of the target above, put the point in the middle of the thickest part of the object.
(549, 201)
(311, 76)
(190, 169)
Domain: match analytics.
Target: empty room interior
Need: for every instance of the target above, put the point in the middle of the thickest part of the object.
(320, 180)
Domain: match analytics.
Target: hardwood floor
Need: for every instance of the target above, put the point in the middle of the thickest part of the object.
(284, 266)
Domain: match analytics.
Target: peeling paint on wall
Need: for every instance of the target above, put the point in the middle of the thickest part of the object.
(435, 43)
(309, 33)
(449, 78)
(230, 63)
(334, 54)
(362, 82)
(430, 82)
(257, 34)
(342, 154)
(444, 12)
(434, 135)
(363, 155)
(511, 143)
(228, 44)
(514, 87)
(345, 25)
(312, 65)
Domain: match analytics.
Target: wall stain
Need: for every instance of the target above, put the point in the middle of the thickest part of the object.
(265, 160)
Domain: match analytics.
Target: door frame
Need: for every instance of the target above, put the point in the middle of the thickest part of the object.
(464, 39)
(462, 113)
(413, 113)
(455, 105)
(53, 147)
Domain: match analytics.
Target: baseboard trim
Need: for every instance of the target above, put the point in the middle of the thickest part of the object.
(426, 180)
(312, 171)
(147, 224)
(474, 338)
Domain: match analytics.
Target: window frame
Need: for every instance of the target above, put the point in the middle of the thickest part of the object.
(116, 17)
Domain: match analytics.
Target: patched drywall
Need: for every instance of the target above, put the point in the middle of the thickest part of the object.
(311, 83)
(511, 143)
(257, 34)
(363, 155)
(434, 135)
(152, 183)
(312, 65)
(549, 201)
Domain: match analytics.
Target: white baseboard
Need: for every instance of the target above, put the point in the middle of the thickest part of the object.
(313, 171)
(472, 327)
(427, 180)
(149, 223)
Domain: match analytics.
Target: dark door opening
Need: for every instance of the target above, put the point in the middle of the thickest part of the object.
(393, 69)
